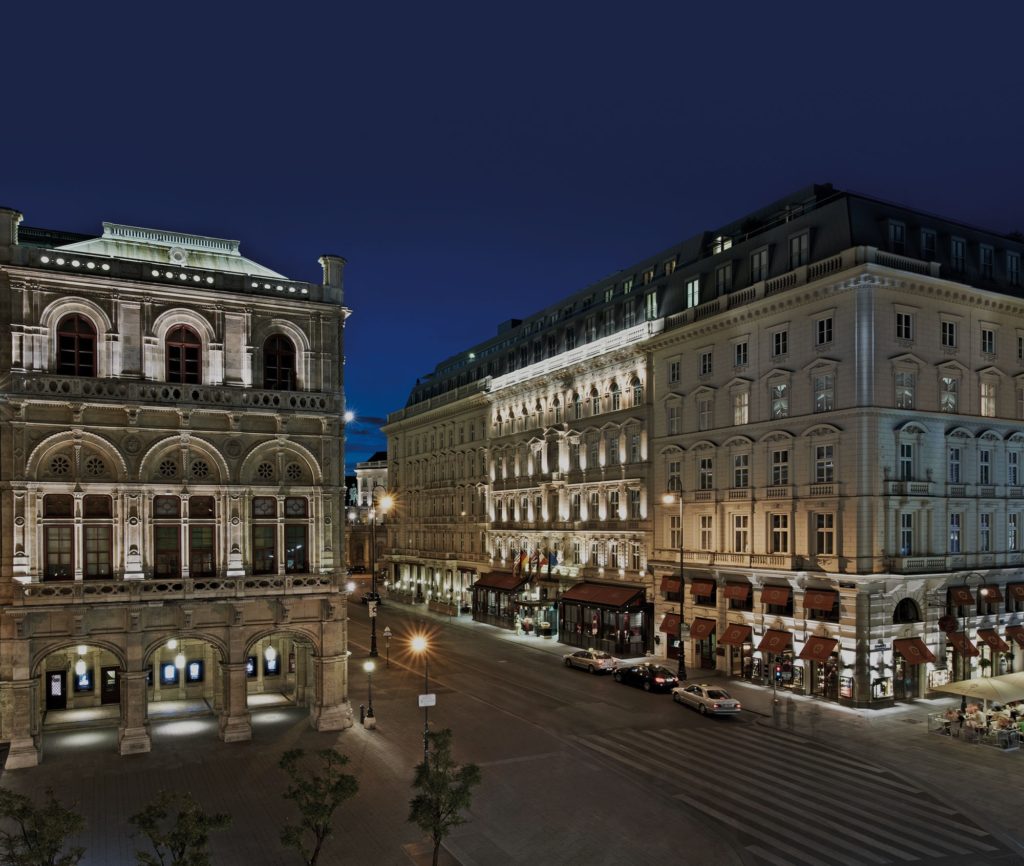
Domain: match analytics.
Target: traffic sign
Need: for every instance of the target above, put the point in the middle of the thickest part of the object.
(372, 605)
(428, 700)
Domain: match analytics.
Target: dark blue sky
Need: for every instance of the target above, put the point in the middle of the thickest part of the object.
(475, 162)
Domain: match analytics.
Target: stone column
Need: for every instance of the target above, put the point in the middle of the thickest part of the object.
(23, 696)
(330, 710)
(133, 732)
(235, 722)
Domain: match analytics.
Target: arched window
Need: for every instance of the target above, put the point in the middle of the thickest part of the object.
(906, 611)
(615, 399)
(638, 393)
(76, 346)
(595, 402)
(184, 356)
(279, 363)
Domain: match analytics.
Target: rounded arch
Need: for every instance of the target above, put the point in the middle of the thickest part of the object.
(822, 430)
(911, 427)
(58, 310)
(58, 441)
(960, 433)
(261, 451)
(777, 436)
(671, 451)
(990, 436)
(270, 328)
(294, 632)
(703, 445)
(186, 634)
(168, 319)
(64, 643)
(1016, 437)
(738, 442)
(906, 611)
(160, 448)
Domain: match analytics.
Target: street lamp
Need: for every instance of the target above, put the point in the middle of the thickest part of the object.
(387, 646)
(420, 645)
(684, 629)
(385, 505)
(369, 721)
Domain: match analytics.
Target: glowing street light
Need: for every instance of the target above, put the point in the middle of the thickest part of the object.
(369, 722)
(420, 645)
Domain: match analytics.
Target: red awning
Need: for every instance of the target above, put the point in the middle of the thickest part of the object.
(702, 588)
(1016, 632)
(775, 595)
(735, 634)
(670, 584)
(603, 594)
(962, 644)
(913, 650)
(991, 637)
(775, 642)
(820, 599)
(991, 593)
(961, 595)
(818, 648)
(670, 624)
(738, 591)
(503, 580)
(701, 627)
(1017, 591)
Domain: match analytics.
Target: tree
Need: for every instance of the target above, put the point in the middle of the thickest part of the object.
(316, 795)
(179, 830)
(39, 831)
(445, 790)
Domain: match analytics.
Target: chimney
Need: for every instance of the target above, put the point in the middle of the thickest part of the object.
(9, 220)
(334, 271)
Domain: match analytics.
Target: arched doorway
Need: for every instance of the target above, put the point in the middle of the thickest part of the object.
(280, 671)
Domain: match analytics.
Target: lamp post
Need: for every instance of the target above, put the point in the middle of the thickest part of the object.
(684, 629)
(384, 504)
(420, 645)
(370, 721)
(387, 646)
(964, 669)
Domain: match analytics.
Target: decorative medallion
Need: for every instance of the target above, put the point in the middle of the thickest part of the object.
(233, 448)
(132, 444)
(178, 256)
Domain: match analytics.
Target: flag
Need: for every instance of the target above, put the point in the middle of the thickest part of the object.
(523, 560)
(513, 556)
(535, 561)
(552, 560)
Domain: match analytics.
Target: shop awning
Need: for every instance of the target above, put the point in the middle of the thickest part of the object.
(775, 642)
(739, 591)
(818, 648)
(991, 637)
(962, 644)
(670, 624)
(775, 595)
(735, 634)
(991, 593)
(702, 588)
(820, 599)
(914, 650)
(701, 627)
(1016, 632)
(961, 595)
(1017, 591)
(670, 584)
(604, 595)
(503, 580)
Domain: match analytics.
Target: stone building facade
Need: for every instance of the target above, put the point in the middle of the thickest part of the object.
(171, 481)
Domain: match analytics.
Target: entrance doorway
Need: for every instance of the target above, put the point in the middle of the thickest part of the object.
(110, 685)
(56, 690)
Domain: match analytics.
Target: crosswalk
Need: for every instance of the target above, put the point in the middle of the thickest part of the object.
(793, 802)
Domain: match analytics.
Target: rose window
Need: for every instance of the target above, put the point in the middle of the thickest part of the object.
(168, 469)
(265, 470)
(60, 465)
(294, 472)
(94, 466)
(200, 469)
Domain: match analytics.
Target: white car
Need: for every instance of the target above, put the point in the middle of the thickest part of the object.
(591, 660)
(707, 699)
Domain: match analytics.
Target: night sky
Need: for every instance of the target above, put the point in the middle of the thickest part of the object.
(476, 162)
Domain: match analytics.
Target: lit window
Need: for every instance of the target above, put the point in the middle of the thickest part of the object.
(904, 326)
(780, 400)
(988, 399)
(905, 387)
(692, 292)
(741, 407)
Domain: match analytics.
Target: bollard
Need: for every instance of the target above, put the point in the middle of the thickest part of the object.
(362, 713)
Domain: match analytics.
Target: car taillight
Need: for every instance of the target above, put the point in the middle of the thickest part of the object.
(659, 679)
(716, 706)
(739, 706)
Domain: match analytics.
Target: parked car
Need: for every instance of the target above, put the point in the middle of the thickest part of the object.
(372, 596)
(650, 677)
(707, 699)
(591, 660)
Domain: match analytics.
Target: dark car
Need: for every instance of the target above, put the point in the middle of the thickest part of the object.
(372, 596)
(651, 677)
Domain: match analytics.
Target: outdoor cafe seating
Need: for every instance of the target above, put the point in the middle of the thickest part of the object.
(991, 712)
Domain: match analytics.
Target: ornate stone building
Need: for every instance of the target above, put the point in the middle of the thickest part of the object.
(171, 481)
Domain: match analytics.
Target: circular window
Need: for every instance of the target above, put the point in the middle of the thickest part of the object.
(294, 472)
(60, 465)
(265, 470)
(200, 469)
(168, 468)
(94, 466)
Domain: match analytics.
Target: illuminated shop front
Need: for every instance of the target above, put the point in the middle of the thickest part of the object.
(613, 618)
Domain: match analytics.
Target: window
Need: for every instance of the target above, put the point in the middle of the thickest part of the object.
(825, 534)
(985, 533)
(707, 532)
(648, 276)
(928, 245)
(740, 354)
(988, 341)
(759, 266)
(799, 250)
(706, 473)
(705, 362)
(740, 532)
(183, 356)
(905, 387)
(627, 285)
(76, 346)
(612, 449)
(595, 402)
(613, 505)
(720, 244)
(675, 476)
(897, 237)
(780, 400)
(279, 364)
(823, 331)
(575, 502)
(673, 372)
(672, 419)
(167, 536)
(296, 531)
(953, 466)
(957, 253)
(692, 292)
(955, 523)
(634, 504)
(675, 532)
(906, 533)
(1013, 269)
(984, 466)
(824, 392)
(824, 464)
(651, 306)
(58, 551)
(904, 326)
(723, 278)
(1013, 468)
(906, 465)
(577, 406)
(570, 338)
(595, 506)
(780, 467)
(948, 333)
(638, 392)
(949, 387)
(201, 536)
(987, 258)
(741, 470)
(780, 533)
(1012, 530)
(264, 535)
(634, 446)
(616, 397)
(780, 343)
(988, 399)
(704, 410)
(741, 407)
(669, 267)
